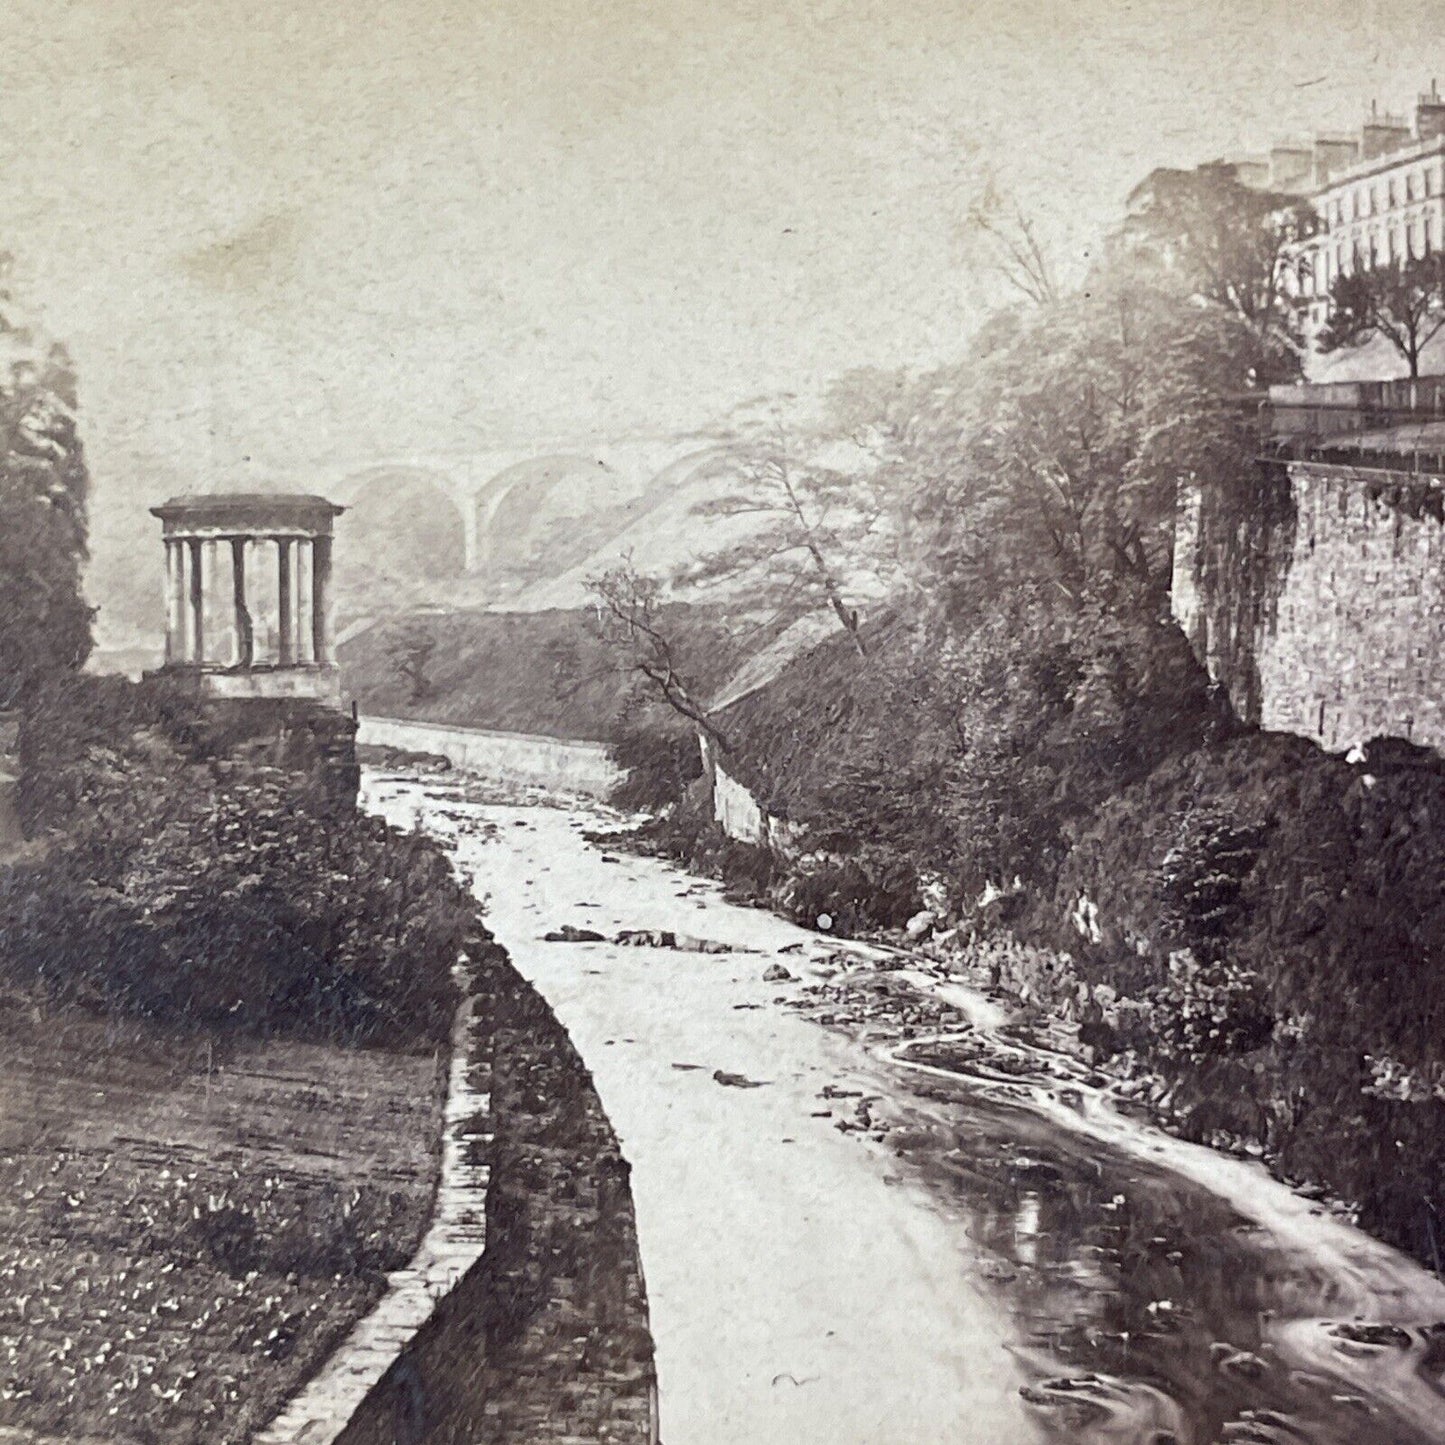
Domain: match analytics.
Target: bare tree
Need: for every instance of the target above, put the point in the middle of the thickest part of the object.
(411, 656)
(808, 527)
(627, 615)
(1013, 246)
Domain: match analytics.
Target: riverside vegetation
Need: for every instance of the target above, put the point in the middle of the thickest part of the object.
(1018, 751)
(224, 1008)
(227, 1002)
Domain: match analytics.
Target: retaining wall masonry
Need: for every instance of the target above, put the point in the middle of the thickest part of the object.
(1351, 643)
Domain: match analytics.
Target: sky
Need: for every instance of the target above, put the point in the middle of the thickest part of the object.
(281, 236)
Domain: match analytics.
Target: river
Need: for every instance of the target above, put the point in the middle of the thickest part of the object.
(846, 1244)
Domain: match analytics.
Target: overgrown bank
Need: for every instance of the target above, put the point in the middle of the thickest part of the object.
(226, 1006)
(526, 672)
(196, 886)
(1066, 808)
(546, 1338)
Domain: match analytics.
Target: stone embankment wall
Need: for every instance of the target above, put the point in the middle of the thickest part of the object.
(1325, 617)
(546, 1339)
(738, 813)
(514, 758)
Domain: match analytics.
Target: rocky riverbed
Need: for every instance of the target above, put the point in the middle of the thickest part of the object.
(869, 1211)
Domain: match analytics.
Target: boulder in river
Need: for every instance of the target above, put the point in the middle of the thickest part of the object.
(568, 934)
(776, 973)
(920, 925)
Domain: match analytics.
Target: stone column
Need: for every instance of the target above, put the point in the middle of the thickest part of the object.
(305, 600)
(175, 602)
(321, 600)
(285, 627)
(245, 637)
(198, 602)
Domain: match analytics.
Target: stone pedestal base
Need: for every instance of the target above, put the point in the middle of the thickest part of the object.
(299, 733)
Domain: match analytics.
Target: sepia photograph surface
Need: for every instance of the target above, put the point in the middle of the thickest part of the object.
(722, 723)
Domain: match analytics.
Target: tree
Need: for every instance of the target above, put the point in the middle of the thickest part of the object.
(411, 655)
(1220, 240)
(1052, 459)
(628, 616)
(1012, 246)
(1404, 302)
(44, 620)
(802, 543)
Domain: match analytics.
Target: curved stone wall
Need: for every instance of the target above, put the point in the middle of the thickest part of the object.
(545, 1340)
(520, 758)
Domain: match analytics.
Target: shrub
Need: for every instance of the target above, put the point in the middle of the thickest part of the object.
(658, 763)
(851, 895)
(223, 894)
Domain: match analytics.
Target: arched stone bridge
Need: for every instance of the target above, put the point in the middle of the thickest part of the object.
(452, 509)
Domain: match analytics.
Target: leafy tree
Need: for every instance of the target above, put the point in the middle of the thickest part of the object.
(1403, 302)
(1054, 457)
(44, 621)
(1215, 238)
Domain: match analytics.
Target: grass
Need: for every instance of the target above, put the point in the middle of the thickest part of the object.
(184, 1237)
(527, 672)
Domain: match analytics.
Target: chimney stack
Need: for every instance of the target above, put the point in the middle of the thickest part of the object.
(1332, 154)
(1383, 133)
(1291, 165)
(1430, 114)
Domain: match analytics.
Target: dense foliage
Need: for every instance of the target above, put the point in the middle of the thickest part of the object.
(1028, 747)
(217, 893)
(44, 620)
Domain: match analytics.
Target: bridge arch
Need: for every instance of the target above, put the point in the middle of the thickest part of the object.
(404, 524)
(526, 506)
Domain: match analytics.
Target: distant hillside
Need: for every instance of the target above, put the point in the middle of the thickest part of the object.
(530, 672)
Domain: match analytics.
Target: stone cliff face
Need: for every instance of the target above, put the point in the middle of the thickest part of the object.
(1315, 595)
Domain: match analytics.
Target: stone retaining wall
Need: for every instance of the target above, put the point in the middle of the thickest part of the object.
(545, 1341)
(1329, 620)
(553, 763)
(453, 1242)
(739, 814)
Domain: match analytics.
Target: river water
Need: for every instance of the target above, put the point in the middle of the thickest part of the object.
(848, 1246)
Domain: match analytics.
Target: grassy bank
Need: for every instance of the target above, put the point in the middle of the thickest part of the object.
(527, 672)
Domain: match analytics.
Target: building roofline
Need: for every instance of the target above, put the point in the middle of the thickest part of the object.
(1362, 170)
